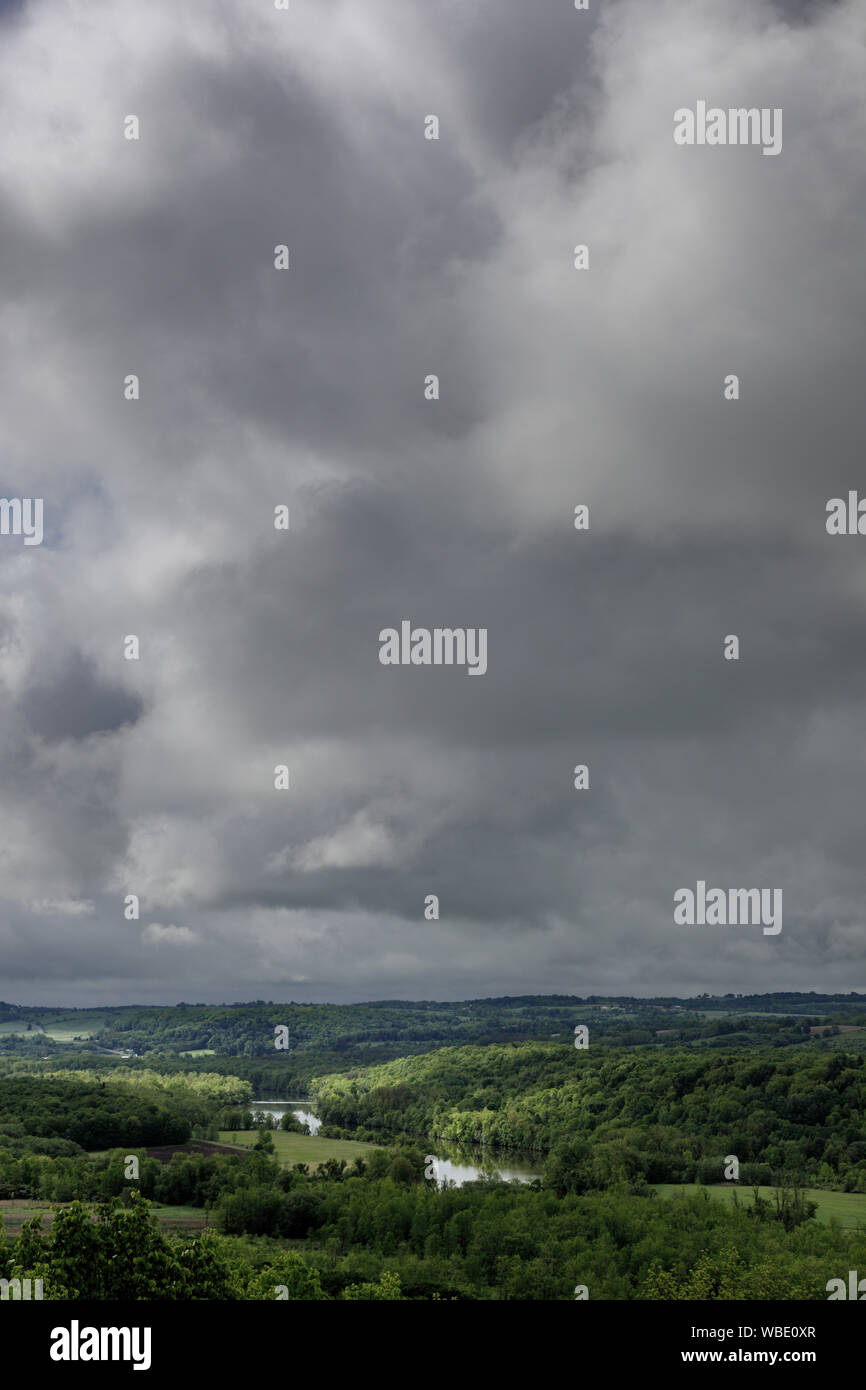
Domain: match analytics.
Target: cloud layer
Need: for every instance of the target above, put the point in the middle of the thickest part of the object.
(305, 387)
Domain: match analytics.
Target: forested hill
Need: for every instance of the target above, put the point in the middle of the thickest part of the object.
(609, 1116)
(400, 1026)
(280, 1048)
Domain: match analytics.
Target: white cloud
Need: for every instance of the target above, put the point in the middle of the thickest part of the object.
(63, 907)
(360, 844)
(157, 935)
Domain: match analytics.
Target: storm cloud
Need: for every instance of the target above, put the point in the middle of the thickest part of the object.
(259, 387)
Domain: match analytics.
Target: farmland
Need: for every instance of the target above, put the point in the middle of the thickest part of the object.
(300, 1148)
(847, 1208)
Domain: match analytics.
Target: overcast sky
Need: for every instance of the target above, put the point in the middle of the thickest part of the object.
(306, 387)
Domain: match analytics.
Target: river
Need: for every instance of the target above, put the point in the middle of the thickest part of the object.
(450, 1164)
(278, 1108)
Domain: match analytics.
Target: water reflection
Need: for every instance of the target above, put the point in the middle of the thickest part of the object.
(453, 1165)
(278, 1108)
(449, 1164)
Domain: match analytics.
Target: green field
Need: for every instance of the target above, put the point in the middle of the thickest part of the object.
(734, 1014)
(848, 1208)
(181, 1218)
(60, 1029)
(65, 1032)
(300, 1148)
(66, 1024)
(14, 1213)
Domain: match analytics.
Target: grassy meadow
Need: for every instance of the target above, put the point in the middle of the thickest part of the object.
(300, 1148)
(848, 1208)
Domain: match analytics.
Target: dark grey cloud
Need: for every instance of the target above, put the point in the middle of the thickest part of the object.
(71, 701)
(261, 387)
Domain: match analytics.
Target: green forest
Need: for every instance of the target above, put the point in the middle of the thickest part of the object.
(149, 1174)
(607, 1117)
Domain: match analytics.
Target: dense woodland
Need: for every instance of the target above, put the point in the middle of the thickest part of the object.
(369, 1236)
(663, 1093)
(380, 1031)
(608, 1117)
